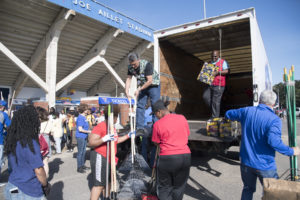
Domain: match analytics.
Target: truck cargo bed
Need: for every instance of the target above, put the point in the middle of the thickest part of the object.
(198, 132)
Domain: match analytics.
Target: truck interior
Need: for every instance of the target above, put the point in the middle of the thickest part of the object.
(182, 56)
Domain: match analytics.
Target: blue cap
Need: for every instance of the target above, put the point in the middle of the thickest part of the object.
(3, 103)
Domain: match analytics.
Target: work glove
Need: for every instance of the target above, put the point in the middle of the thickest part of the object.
(296, 151)
(109, 137)
(131, 134)
(46, 189)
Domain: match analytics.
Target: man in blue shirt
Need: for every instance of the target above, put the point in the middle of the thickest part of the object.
(261, 137)
(4, 121)
(82, 131)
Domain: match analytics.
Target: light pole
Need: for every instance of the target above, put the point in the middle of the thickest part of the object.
(278, 98)
(204, 9)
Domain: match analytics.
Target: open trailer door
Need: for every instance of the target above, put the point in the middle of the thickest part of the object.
(179, 54)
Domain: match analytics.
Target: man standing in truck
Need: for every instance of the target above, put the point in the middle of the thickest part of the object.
(148, 85)
(213, 94)
(261, 137)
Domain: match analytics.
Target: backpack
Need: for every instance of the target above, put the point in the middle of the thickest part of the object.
(44, 148)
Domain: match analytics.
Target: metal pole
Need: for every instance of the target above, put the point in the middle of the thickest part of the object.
(278, 98)
(204, 9)
(116, 88)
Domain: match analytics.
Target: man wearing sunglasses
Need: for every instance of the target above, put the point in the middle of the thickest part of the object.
(213, 94)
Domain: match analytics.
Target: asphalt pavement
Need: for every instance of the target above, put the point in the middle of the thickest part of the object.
(212, 176)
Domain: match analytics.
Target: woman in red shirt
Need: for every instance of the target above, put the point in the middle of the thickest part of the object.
(171, 133)
(98, 139)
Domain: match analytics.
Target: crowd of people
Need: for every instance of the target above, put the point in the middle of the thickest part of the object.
(33, 135)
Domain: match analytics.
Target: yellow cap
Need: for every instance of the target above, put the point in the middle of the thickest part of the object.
(293, 68)
(284, 69)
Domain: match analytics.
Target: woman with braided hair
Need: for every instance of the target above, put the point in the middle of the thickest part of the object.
(28, 178)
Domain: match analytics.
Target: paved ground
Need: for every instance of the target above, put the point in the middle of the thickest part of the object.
(211, 177)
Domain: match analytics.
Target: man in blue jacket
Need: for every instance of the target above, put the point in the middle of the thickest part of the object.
(4, 122)
(261, 137)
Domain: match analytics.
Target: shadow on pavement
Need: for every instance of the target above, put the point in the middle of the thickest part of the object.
(54, 167)
(199, 192)
(87, 155)
(226, 159)
(56, 192)
(201, 162)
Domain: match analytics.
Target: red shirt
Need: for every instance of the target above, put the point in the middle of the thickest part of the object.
(101, 130)
(171, 133)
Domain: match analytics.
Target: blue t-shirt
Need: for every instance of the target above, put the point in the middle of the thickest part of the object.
(82, 121)
(23, 175)
(225, 65)
(261, 136)
(4, 119)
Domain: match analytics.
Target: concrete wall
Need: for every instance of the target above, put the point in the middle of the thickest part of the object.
(29, 93)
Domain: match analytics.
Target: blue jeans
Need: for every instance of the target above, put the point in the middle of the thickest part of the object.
(249, 176)
(154, 93)
(81, 146)
(12, 192)
(145, 147)
(57, 144)
(1, 155)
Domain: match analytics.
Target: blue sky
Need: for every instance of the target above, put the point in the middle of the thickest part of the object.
(279, 22)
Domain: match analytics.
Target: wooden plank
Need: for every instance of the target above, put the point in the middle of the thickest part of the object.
(177, 63)
(229, 51)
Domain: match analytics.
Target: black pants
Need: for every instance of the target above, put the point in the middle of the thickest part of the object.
(212, 97)
(172, 174)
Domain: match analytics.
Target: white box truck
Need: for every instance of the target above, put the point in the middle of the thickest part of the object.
(179, 54)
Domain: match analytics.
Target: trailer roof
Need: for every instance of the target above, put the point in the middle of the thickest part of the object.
(26, 24)
(201, 37)
(205, 22)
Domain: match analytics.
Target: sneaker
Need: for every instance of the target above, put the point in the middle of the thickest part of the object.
(2, 184)
(85, 167)
(81, 170)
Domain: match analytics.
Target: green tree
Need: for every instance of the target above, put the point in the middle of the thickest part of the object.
(280, 89)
